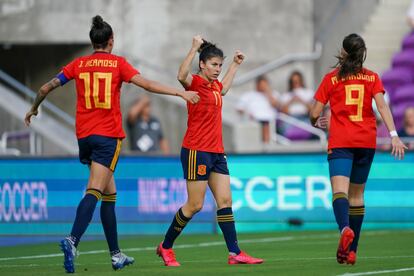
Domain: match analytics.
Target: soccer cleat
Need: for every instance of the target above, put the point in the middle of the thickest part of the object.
(69, 251)
(243, 258)
(347, 236)
(167, 255)
(351, 258)
(120, 260)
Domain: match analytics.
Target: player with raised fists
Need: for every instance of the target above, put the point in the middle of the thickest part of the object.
(202, 155)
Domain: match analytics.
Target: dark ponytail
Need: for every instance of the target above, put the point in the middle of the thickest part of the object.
(209, 50)
(100, 32)
(350, 62)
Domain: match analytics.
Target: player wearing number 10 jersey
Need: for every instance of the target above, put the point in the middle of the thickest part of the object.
(99, 77)
(350, 89)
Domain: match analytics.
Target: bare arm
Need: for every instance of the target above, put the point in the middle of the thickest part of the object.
(41, 95)
(165, 147)
(397, 145)
(158, 88)
(137, 108)
(184, 76)
(231, 72)
(272, 100)
(315, 115)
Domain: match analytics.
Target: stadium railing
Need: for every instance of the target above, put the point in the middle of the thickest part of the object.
(27, 92)
(6, 137)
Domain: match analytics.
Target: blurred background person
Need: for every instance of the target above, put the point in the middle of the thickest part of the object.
(407, 131)
(410, 15)
(260, 105)
(145, 132)
(298, 100)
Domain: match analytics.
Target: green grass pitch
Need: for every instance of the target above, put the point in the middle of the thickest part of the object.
(285, 253)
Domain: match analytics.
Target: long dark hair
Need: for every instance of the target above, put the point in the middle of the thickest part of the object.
(300, 75)
(350, 62)
(100, 32)
(209, 50)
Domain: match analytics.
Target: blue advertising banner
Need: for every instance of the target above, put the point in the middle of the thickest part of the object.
(38, 197)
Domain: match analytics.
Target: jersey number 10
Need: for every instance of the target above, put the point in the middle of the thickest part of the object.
(96, 77)
(358, 101)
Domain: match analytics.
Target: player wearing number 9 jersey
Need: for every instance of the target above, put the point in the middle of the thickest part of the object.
(99, 77)
(350, 89)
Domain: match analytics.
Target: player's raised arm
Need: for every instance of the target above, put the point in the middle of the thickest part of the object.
(184, 76)
(158, 88)
(41, 95)
(398, 147)
(231, 72)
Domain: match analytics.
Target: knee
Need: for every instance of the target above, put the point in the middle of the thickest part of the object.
(224, 203)
(356, 199)
(194, 207)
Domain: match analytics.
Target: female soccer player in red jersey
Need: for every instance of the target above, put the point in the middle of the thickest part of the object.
(202, 154)
(99, 77)
(350, 89)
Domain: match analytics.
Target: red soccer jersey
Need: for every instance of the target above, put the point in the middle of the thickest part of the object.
(204, 127)
(353, 123)
(98, 85)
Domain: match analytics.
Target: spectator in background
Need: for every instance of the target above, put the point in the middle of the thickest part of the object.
(410, 15)
(260, 105)
(145, 133)
(298, 100)
(408, 129)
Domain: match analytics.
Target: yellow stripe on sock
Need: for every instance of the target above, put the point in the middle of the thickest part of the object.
(97, 194)
(109, 198)
(338, 196)
(226, 220)
(222, 218)
(356, 213)
(116, 155)
(180, 221)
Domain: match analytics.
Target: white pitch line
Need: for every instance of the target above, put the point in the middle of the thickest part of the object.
(379, 272)
(267, 260)
(181, 246)
(150, 248)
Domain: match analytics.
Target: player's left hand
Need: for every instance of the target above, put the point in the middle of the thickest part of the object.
(398, 148)
(322, 122)
(239, 57)
(29, 115)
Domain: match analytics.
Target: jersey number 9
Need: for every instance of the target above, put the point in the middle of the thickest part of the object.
(358, 100)
(96, 77)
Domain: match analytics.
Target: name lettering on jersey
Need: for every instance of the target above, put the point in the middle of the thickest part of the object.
(99, 63)
(359, 76)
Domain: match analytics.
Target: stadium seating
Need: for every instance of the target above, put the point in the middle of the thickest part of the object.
(399, 80)
(296, 134)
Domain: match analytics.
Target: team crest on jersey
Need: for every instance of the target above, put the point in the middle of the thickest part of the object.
(202, 170)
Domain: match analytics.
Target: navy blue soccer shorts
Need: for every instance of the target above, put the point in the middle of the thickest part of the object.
(100, 149)
(354, 163)
(197, 165)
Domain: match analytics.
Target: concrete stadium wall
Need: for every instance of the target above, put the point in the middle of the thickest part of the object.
(352, 18)
(156, 35)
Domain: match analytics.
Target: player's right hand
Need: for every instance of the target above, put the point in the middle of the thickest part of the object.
(197, 41)
(322, 122)
(398, 148)
(29, 115)
(191, 96)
